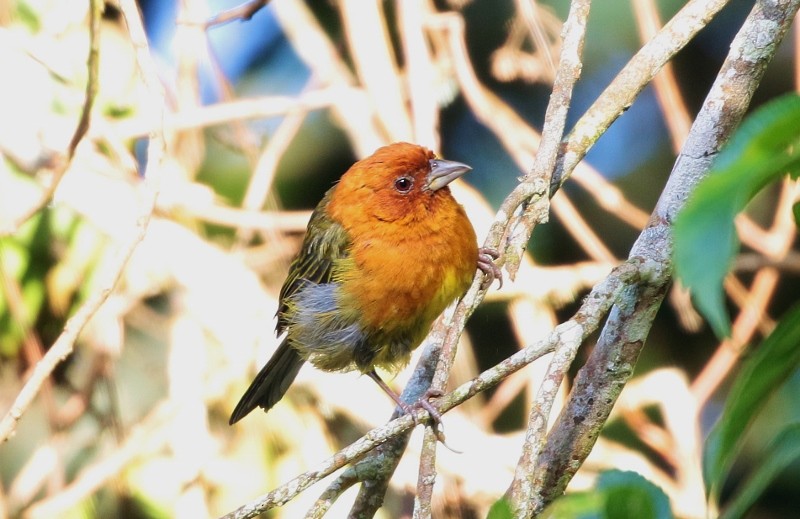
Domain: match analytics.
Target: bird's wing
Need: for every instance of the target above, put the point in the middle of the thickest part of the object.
(326, 241)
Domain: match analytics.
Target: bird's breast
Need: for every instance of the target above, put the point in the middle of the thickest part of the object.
(406, 275)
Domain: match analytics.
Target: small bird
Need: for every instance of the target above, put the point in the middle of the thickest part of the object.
(386, 251)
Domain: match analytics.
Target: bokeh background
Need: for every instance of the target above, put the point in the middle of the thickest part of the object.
(262, 122)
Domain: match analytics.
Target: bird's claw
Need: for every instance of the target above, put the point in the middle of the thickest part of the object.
(486, 257)
(436, 417)
(424, 403)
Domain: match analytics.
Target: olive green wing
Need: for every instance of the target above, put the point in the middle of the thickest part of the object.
(326, 242)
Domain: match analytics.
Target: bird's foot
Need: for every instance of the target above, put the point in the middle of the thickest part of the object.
(425, 403)
(436, 417)
(486, 257)
(422, 403)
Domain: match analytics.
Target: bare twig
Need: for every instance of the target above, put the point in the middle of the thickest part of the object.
(579, 228)
(600, 381)
(529, 12)
(569, 70)
(239, 110)
(676, 115)
(673, 107)
(351, 106)
(66, 341)
(555, 119)
(420, 71)
(623, 90)
(617, 97)
(242, 12)
(95, 16)
(521, 140)
(332, 493)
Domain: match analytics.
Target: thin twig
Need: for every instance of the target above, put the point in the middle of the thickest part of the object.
(520, 139)
(243, 12)
(618, 96)
(351, 106)
(600, 381)
(331, 494)
(673, 108)
(238, 110)
(146, 438)
(373, 57)
(65, 343)
(678, 121)
(95, 17)
(555, 119)
(631, 80)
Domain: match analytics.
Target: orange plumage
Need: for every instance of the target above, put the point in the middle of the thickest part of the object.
(386, 250)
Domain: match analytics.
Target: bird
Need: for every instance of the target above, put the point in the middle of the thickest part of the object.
(386, 250)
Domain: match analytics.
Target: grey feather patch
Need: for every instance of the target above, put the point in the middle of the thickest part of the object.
(320, 331)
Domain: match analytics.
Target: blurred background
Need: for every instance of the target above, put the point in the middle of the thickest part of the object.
(262, 117)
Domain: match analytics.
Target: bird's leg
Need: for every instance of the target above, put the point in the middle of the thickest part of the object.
(423, 402)
(486, 257)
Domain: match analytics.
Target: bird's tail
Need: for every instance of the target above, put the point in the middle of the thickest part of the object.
(271, 383)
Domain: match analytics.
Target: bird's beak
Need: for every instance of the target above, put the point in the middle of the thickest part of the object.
(443, 172)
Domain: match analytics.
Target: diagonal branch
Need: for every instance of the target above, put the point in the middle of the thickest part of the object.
(555, 120)
(65, 343)
(243, 12)
(95, 15)
(569, 69)
(618, 96)
(600, 381)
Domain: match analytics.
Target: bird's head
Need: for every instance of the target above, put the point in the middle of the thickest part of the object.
(398, 182)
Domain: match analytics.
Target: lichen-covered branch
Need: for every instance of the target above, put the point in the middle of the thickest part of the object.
(631, 80)
(612, 362)
(555, 120)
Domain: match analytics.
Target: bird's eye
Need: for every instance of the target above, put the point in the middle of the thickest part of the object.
(404, 184)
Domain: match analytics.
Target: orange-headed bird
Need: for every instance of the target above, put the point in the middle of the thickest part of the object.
(386, 251)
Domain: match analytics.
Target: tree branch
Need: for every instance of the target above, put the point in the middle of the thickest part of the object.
(555, 120)
(65, 343)
(631, 80)
(95, 15)
(243, 12)
(611, 364)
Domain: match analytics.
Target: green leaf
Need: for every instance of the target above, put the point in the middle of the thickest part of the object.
(763, 149)
(760, 376)
(578, 505)
(782, 451)
(501, 509)
(796, 212)
(630, 496)
(618, 495)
